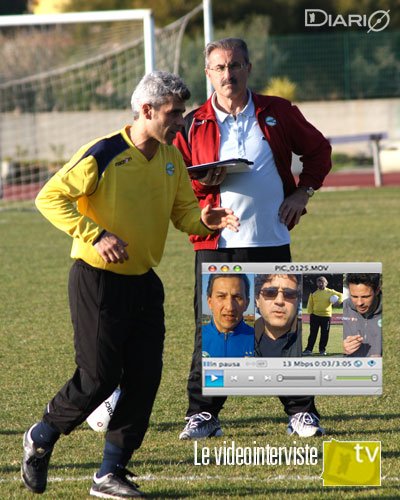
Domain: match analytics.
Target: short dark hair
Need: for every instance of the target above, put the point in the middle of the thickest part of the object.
(242, 277)
(368, 279)
(228, 44)
(261, 279)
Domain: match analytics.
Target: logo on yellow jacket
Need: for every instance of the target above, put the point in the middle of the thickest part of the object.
(170, 168)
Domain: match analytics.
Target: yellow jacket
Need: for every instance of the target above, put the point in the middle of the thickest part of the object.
(319, 303)
(109, 184)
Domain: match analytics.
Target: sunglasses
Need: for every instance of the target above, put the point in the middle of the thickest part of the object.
(272, 292)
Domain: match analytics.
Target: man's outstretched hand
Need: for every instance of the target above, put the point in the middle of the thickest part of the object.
(219, 218)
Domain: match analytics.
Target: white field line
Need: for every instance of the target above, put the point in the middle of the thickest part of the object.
(200, 477)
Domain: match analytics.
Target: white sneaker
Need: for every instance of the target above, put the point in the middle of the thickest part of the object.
(305, 425)
(201, 425)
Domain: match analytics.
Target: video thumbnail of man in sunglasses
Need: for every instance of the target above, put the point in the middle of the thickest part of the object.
(278, 330)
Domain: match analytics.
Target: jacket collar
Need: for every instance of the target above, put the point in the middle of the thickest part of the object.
(206, 111)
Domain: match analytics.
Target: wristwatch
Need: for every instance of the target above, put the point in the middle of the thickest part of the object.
(309, 190)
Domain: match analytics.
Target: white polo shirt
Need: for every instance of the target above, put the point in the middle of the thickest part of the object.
(254, 196)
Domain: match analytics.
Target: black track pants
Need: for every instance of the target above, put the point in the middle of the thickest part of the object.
(118, 335)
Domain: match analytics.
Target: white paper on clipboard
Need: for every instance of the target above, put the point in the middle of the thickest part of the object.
(233, 165)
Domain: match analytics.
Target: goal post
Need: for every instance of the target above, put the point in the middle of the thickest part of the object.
(66, 79)
(91, 17)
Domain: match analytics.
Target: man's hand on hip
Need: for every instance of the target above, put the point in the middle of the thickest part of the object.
(112, 249)
(293, 206)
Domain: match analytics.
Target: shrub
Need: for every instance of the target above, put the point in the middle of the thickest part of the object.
(281, 87)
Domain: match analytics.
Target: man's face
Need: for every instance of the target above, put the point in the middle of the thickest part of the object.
(321, 285)
(165, 121)
(231, 82)
(227, 303)
(362, 297)
(278, 313)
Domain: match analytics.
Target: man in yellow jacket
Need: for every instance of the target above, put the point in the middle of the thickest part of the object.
(115, 198)
(319, 307)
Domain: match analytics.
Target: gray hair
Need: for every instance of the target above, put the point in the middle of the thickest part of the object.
(155, 89)
(228, 44)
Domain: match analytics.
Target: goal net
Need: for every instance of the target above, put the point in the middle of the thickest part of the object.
(64, 84)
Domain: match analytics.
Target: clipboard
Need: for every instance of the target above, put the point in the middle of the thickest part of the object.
(233, 165)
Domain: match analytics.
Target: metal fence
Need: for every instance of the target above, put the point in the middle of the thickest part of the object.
(348, 65)
(345, 65)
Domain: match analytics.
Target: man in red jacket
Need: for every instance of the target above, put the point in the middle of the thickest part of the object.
(237, 123)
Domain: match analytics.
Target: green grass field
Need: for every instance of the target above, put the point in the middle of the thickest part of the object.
(335, 342)
(36, 358)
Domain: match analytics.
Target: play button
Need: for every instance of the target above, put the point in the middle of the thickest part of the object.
(214, 378)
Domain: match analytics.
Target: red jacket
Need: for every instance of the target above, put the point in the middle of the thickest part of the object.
(288, 131)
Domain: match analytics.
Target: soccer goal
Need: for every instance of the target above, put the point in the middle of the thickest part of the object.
(66, 79)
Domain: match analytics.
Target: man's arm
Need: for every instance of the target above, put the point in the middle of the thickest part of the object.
(219, 218)
(339, 294)
(186, 215)
(57, 202)
(292, 207)
(315, 152)
(313, 148)
(203, 183)
(57, 199)
(310, 304)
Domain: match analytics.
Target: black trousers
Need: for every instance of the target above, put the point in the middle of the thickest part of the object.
(119, 336)
(317, 322)
(214, 404)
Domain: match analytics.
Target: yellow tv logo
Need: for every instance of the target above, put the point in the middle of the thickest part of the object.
(351, 463)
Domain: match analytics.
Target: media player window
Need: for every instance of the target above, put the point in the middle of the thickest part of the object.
(292, 328)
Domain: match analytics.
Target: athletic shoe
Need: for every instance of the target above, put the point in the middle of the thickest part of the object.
(117, 484)
(305, 425)
(323, 353)
(35, 464)
(201, 425)
(307, 352)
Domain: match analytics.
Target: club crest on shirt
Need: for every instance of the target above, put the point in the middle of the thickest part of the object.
(170, 168)
(271, 121)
